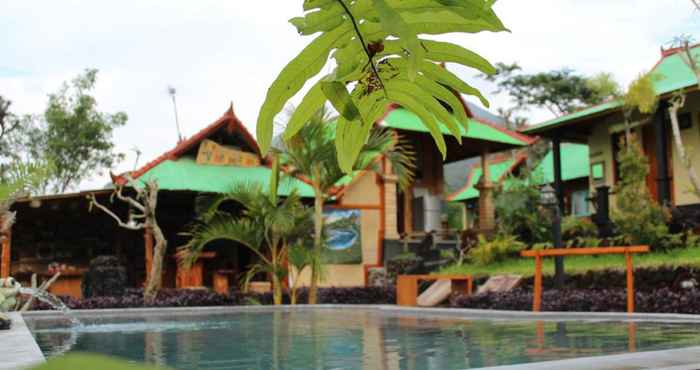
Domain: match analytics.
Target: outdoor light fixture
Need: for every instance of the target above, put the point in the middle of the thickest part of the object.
(548, 197)
(549, 200)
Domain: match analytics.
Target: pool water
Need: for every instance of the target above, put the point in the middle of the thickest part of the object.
(354, 339)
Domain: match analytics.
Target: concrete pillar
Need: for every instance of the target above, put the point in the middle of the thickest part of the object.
(433, 211)
(487, 210)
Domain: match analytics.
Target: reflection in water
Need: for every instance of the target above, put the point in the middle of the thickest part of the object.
(356, 339)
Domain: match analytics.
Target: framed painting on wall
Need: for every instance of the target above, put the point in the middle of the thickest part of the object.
(343, 236)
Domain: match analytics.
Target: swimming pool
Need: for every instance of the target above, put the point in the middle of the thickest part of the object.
(353, 338)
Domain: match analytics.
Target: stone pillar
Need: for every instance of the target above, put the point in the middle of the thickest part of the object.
(5, 256)
(487, 210)
(391, 210)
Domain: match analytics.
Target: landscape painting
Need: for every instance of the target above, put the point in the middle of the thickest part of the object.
(343, 237)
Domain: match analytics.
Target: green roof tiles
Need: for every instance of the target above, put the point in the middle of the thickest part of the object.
(575, 165)
(186, 174)
(470, 192)
(668, 75)
(403, 119)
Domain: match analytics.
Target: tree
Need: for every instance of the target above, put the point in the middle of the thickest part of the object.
(559, 91)
(144, 202)
(17, 180)
(311, 154)
(677, 102)
(73, 134)
(377, 51)
(267, 226)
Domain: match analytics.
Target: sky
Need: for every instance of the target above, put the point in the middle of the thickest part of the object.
(222, 52)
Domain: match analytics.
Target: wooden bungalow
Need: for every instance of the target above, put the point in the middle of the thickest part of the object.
(60, 232)
(602, 126)
(575, 178)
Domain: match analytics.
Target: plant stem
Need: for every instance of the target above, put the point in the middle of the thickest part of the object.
(364, 44)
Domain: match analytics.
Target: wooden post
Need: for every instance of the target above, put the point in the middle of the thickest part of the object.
(630, 282)
(407, 290)
(5, 259)
(470, 285)
(148, 244)
(537, 295)
(632, 337)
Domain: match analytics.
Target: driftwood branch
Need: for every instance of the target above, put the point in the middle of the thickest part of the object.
(120, 222)
(44, 287)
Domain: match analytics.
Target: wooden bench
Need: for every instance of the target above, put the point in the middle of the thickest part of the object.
(407, 286)
(627, 251)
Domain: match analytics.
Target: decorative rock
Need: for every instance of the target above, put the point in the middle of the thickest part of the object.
(5, 322)
(500, 283)
(106, 277)
(437, 293)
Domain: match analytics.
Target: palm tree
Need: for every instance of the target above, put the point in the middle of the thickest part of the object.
(267, 227)
(311, 154)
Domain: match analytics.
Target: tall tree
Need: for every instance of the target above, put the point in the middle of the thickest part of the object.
(560, 91)
(74, 135)
(311, 154)
(377, 51)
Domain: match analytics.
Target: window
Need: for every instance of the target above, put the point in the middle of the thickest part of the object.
(579, 203)
(598, 173)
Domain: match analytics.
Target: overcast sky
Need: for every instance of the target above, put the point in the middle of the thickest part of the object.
(220, 51)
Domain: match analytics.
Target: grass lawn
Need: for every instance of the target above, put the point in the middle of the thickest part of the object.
(579, 264)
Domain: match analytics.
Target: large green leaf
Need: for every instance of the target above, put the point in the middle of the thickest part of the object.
(445, 21)
(318, 4)
(439, 51)
(443, 76)
(394, 24)
(413, 105)
(293, 77)
(429, 102)
(312, 101)
(320, 21)
(352, 135)
(338, 95)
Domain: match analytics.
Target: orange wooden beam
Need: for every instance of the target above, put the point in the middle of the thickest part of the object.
(584, 251)
(630, 282)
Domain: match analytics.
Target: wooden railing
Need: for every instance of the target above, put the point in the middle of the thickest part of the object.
(539, 254)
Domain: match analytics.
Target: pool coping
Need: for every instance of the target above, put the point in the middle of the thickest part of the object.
(466, 313)
(19, 350)
(687, 358)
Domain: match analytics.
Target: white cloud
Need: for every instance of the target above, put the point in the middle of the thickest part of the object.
(215, 52)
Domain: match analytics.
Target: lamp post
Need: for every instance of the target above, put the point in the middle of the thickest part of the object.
(548, 199)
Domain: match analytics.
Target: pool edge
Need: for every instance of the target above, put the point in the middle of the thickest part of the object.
(19, 350)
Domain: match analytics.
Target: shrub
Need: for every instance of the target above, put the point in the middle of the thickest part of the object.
(497, 249)
(579, 232)
(518, 210)
(637, 216)
(405, 263)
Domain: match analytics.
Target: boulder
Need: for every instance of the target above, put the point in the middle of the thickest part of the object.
(106, 277)
(9, 289)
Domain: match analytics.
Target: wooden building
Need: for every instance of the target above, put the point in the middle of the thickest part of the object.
(60, 231)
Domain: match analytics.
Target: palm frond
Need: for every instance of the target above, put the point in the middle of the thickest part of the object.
(241, 230)
(397, 151)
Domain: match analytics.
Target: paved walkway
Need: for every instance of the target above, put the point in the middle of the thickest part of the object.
(18, 349)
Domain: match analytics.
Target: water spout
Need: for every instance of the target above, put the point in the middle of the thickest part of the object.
(52, 301)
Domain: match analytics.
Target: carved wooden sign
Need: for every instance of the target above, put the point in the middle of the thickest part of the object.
(220, 155)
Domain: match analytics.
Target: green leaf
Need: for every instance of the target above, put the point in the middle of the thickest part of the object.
(74, 361)
(447, 52)
(317, 4)
(338, 95)
(445, 21)
(445, 77)
(429, 102)
(352, 135)
(274, 177)
(293, 77)
(310, 104)
(413, 105)
(394, 24)
(320, 21)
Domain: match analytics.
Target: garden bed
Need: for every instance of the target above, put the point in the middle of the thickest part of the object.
(133, 298)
